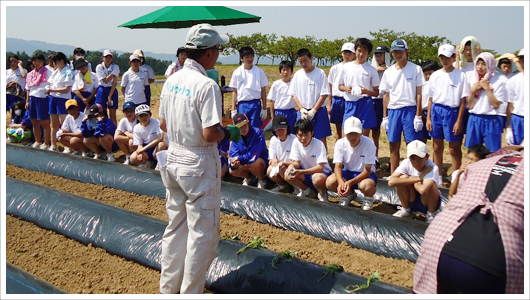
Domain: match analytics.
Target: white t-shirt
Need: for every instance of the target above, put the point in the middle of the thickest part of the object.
(448, 88)
(405, 167)
(39, 90)
(281, 150)
(80, 84)
(354, 159)
(278, 94)
(315, 153)
(189, 102)
(515, 88)
(73, 125)
(482, 104)
(469, 70)
(16, 76)
(248, 82)
(334, 72)
(401, 85)
(134, 83)
(425, 96)
(125, 126)
(353, 74)
(61, 79)
(308, 87)
(102, 72)
(148, 70)
(145, 135)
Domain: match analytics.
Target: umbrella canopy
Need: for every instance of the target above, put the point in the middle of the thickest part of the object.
(187, 16)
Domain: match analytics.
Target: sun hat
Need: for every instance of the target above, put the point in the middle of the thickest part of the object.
(446, 50)
(240, 120)
(142, 109)
(399, 45)
(70, 103)
(203, 36)
(417, 148)
(353, 124)
(348, 46)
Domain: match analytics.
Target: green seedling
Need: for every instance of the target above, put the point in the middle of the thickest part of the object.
(357, 287)
(257, 242)
(233, 238)
(286, 256)
(330, 268)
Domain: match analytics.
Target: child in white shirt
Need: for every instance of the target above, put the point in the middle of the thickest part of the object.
(147, 138)
(281, 103)
(134, 81)
(124, 132)
(279, 151)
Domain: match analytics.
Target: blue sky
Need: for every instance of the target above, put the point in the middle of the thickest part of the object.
(94, 25)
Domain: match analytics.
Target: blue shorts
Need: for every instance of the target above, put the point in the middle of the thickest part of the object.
(502, 119)
(102, 96)
(402, 120)
(485, 129)
(149, 152)
(417, 206)
(57, 106)
(336, 115)
(252, 109)
(11, 99)
(517, 123)
(115, 147)
(378, 108)
(147, 92)
(290, 114)
(80, 102)
(348, 175)
(362, 109)
(308, 180)
(320, 123)
(39, 108)
(443, 119)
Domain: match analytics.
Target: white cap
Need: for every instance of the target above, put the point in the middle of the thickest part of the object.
(134, 56)
(521, 52)
(417, 148)
(142, 109)
(446, 50)
(107, 52)
(348, 46)
(203, 36)
(352, 124)
(139, 52)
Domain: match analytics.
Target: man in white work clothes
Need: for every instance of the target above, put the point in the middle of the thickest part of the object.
(190, 113)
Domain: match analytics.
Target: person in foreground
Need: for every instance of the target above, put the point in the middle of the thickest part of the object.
(190, 112)
(416, 180)
(476, 244)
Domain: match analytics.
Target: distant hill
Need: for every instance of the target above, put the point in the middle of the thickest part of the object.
(14, 45)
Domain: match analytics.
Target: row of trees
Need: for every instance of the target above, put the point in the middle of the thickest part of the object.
(94, 57)
(327, 52)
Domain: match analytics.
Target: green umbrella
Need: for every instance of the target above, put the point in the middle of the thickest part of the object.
(187, 16)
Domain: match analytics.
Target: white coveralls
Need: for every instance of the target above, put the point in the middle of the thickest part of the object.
(189, 102)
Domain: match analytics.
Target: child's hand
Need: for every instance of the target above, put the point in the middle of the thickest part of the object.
(235, 162)
(85, 118)
(484, 84)
(343, 189)
(425, 171)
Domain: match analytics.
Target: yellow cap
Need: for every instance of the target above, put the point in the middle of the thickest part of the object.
(70, 103)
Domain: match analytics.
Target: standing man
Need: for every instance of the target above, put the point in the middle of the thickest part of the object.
(190, 113)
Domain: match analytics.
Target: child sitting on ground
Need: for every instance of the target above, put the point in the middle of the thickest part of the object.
(474, 154)
(249, 156)
(98, 133)
(124, 132)
(147, 138)
(279, 151)
(416, 180)
(310, 167)
(19, 129)
(70, 133)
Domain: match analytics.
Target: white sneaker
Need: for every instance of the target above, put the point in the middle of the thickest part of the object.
(67, 150)
(402, 213)
(98, 156)
(142, 166)
(127, 161)
(262, 184)
(309, 193)
(430, 216)
(323, 198)
(280, 188)
(368, 203)
(43, 147)
(36, 145)
(52, 148)
(110, 157)
(246, 181)
(296, 191)
(157, 168)
(84, 154)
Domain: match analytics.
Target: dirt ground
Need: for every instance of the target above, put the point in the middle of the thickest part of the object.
(77, 268)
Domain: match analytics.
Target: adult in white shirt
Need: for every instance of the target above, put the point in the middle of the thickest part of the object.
(279, 152)
(124, 132)
(70, 133)
(15, 81)
(354, 160)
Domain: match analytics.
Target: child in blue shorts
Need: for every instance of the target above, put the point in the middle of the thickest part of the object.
(336, 114)
(488, 91)
(428, 67)
(310, 89)
(107, 95)
(354, 160)
(360, 82)
(98, 133)
(85, 85)
(281, 103)
(309, 168)
(448, 90)
(147, 138)
(416, 181)
(516, 102)
(249, 156)
(402, 84)
(250, 89)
